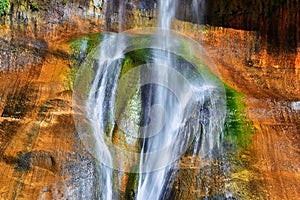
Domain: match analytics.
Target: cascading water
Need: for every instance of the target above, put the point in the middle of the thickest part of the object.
(100, 106)
(151, 185)
(180, 110)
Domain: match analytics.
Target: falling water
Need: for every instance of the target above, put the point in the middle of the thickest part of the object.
(100, 106)
(178, 110)
(198, 8)
(151, 185)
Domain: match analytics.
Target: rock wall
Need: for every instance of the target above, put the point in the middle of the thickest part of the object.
(277, 21)
(40, 153)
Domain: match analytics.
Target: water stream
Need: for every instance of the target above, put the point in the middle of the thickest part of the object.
(151, 185)
(178, 109)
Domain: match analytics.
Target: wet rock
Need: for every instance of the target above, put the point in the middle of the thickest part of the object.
(147, 4)
(36, 117)
(17, 54)
(19, 102)
(41, 159)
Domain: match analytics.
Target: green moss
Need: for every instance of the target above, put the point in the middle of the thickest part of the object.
(65, 2)
(69, 81)
(4, 7)
(22, 8)
(92, 39)
(238, 129)
(82, 84)
(76, 49)
(131, 185)
(198, 62)
(127, 65)
(34, 6)
(83, 59)
(136, 58)
(128, 83)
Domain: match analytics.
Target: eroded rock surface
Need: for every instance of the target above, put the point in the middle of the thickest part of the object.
(41, 155)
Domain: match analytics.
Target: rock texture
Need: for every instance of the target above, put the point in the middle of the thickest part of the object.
(41, 156)
(270, 80)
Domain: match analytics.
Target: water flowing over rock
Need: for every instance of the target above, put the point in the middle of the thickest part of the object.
(51, 145)
(172, 102)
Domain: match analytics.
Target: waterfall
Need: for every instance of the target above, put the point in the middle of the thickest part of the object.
(198, 8)
(151, 185)
(100, 106)
(181, 109)
(167, 10)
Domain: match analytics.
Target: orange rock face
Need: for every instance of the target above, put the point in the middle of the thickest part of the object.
(269, 79)
(41, 156)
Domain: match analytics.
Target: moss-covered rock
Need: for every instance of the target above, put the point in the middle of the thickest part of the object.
(4, 6)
